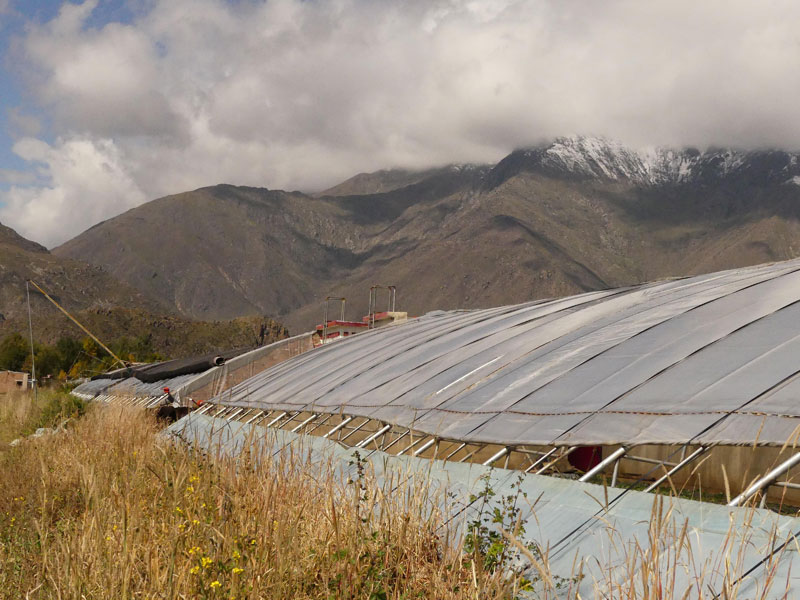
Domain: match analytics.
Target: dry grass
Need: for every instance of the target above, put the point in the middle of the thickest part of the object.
(16, 410)
(666, 564)
(108, 510)
(22, 413)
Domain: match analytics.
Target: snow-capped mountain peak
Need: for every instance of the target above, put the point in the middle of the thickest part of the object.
(587, 157)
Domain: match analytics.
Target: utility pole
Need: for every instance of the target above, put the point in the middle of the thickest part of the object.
(33, 359)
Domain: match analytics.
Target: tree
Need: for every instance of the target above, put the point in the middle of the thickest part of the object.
(69, 352)
(13, 352)
(48, 362)
(136, 349)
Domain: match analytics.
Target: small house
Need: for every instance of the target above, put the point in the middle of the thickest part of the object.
(13, 381)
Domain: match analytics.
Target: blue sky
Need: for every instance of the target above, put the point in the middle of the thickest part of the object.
(12, 25)
(21, 13)
(125, 101)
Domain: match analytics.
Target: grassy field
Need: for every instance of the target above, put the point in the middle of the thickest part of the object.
(105, 509)
(22, 415)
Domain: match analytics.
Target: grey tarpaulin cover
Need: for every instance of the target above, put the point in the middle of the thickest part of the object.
(711, 358)
(130, 387)
(185, 376)
(716, 540)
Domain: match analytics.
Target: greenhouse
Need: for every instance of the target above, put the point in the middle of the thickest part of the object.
(635, 383)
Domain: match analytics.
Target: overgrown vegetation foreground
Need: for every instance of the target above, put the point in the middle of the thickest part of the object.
(107, 509)
(104, 507)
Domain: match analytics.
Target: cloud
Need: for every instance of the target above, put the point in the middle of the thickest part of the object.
(299, 95)
(88, 182)
(21, 124)
(16, 177)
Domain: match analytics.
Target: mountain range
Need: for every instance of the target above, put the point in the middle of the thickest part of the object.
(576, 214)
(73, 283)
(591, 158)
(107, 306)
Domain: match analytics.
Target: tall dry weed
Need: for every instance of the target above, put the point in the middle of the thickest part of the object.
(106, 509)
(109, 509)
(16, 409)
(668, 563)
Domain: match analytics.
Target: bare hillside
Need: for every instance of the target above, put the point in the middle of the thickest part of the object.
(578, 214)
(74, 283)
(108, 307)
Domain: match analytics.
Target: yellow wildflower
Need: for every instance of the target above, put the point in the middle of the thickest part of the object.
(236, 554)
(178, 510)
(237, 570)
(215, 584)
(194, 570)
(206, 562)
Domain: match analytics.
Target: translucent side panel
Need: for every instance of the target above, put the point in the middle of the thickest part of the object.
(580, 526)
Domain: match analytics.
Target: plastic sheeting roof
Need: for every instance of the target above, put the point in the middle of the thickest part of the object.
(706, 359)
(130, 387)
(185, 376)
(718, 538)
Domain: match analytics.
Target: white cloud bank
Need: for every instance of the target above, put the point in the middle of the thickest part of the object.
(300, 95)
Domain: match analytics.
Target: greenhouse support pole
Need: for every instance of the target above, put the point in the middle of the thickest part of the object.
(765, 481)
(604, 463)
(676, 468)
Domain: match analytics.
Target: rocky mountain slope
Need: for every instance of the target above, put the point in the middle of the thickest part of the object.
(169, 336)
(386, 180)
(108, 307)
(578, 214)
(588, 158)
(75, 284)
